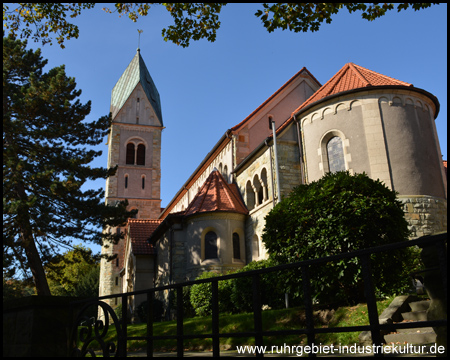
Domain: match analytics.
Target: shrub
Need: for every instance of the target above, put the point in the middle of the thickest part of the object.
(201, 296)
(142, 310)
(337, 214)
(272, 288)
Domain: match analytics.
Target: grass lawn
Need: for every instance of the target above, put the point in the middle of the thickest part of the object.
(284, 319)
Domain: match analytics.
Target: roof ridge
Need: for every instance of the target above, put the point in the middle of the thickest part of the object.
(382, 75)
(358, 74)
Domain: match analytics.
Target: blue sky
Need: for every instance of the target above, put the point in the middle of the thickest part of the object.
(209, 87)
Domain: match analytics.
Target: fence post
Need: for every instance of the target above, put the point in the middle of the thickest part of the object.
(123, 340)
(257, 313)
(150, 299)
(215, 318)
(308, 308)
(179, 321)
(371, 305)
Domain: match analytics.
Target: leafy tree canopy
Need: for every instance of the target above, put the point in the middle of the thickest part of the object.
(338, 214)
(45, 164)
(70, 269)
(192, 21)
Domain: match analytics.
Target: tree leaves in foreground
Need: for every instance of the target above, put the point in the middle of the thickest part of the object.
(192, 21)
(45, 164)
(337, 214)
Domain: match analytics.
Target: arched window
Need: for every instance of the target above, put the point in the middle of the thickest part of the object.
(335, 154)
(255, 247)
(264, 184)
(250, 195)
(140, 156)
(236, 246)
(258, 189)
(225, 172)
(130, 154)
(143, 182)
(126, 181)
(211, 245)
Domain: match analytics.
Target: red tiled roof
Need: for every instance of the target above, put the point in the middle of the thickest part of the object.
(351, 77)
(140, 231)
(445, 166)
(216, 195)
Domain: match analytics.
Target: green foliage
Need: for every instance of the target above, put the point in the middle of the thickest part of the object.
(188, 310)
(158, 309)
(201, 295)
(46, 18)
(337, 214)
(192, 21)
(46, 161)
(272, 288)
(72, 271)
(310, 16)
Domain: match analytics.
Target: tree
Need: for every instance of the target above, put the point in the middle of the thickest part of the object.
(192, 21)
(74, 273)
(46, 163)
(338, 214)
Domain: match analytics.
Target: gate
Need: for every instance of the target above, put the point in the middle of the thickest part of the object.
(96, 330)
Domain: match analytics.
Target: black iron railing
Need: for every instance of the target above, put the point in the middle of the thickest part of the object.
(96, 331)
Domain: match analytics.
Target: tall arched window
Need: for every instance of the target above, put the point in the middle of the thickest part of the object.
(236, 246)
(250, 195)
(130, 154)
(211, 245)
(140, 156)
(335, 154)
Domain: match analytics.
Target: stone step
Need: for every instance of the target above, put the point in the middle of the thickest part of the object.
(411, 338)
(415, 315)
(416, 330)
(419, 305)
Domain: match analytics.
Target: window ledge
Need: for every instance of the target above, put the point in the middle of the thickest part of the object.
(210, 262)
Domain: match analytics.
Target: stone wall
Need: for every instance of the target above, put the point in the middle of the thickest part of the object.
(37, 326)
(426, 215)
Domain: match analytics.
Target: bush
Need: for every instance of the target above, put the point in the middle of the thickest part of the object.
(337, 214)
(188, 310)
(201, 295)
(142, 310)
(272, 288)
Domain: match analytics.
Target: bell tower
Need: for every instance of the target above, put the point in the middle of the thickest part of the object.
(134, 145)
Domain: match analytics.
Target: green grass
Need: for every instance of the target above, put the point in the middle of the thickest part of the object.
(285, 319)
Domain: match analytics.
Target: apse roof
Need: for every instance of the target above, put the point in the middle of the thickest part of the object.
(350, 77)
(217, 195)
(135, 72)
(140, 231)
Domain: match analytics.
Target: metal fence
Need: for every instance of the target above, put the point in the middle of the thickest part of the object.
(85, 335)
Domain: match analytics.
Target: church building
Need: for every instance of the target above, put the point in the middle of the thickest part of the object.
(359, 120)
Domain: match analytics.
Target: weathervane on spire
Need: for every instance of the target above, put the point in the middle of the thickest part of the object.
(139, 41)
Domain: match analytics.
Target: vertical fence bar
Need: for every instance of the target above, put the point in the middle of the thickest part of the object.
(371, 305)
(215, 318)
(308, 308)
(441, 250)
(257, 313)
(179, 321)
(150, 299)
(122, 341)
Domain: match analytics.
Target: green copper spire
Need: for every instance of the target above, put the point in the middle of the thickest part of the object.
(135, 72)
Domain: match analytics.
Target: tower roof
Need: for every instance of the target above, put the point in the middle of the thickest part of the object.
(216, 195)
(350, 77)
(135, 72)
